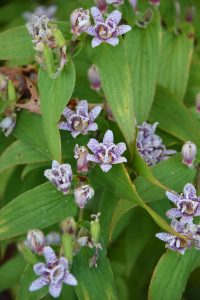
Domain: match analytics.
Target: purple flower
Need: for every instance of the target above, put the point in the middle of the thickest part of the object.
(106, 30)
(173, 242)
(94, 78)
(52, 273)
(40, 11)
(80, 21)
(107, 153)
(83, 194)
(80, 121)
(188, 204)
(80, 153)
(150, 145)
(60, 176)
(189, 151)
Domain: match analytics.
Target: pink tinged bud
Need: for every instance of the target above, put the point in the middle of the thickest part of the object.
(116, 2)
(83, 194)
(189, 153)
(94, 78)
(36, 240)
(155, 2)
(80, 21)
(190, 14)
(133, 3)
(197, 100)
(80, 153)
(102, 5)
(69, 226)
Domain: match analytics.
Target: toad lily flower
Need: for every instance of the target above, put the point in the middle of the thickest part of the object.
(53, 273)
(107, 153)
(173, 242)
(106, 31)
(188, 204)
(60, 176)
(80, 121)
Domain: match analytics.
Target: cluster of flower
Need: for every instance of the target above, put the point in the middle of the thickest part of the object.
(187, 208)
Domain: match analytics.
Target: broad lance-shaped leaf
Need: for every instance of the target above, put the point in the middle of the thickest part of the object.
(174, 118)
(93, 281)
(175, 61)
(114, 71)
(143, 50)
(172, 273)
(42, 206)
(54, 96)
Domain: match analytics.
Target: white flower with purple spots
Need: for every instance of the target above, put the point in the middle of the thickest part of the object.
(80, 121)
(106, 31)
(60, 176)
(52, 273)
(188, 204)
(176, 243)
(107, 153)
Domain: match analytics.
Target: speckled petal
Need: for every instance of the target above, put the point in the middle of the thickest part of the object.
(55, 290)
(70, 279)
(93, 145)
(197, 212)
(75, 133)
(123, 29)
(64, 262)
(114, 17)
(96, 42)
(108, 137)
(189, 191)
(93, 158)
(37, 284)
(119, 160)
(95, 112)
(120, 148)
(173, 197)
(113, 41)
(173, 213)
(83, 105)
(105, 167)
(97, 15)
(91, 31)
(92, 127)
(166, 237)
(49, 255)
(186, 220)
(64, 126)
(39, 268)
(67, 112)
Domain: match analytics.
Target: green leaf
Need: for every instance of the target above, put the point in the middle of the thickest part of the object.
(171, 274)
(143, 49)
(16, 44)
(175, 61)
(19, 153)
(8, 277)
(54, 96)
(93, 281)
(114, 71)
(41, 206)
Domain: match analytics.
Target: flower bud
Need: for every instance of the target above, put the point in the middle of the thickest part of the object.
(189, 153)
(101, 4)
(190, 14)
(8, 124)
(116, 2)
(94, 78)
(80, 21)
(36, 240)
(83, 194)
(95, 228)
(197, 100)
(69, 225)
(67, 244)
(11, 92)
(133, 3)
(155, 2)
(143, 19)
(80, 153)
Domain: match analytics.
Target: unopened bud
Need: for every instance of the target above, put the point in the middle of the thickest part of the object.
(95, 228)
(94, 78)
(80, 153)
(8, 124)
(36, 240)
(115, 2)
(197, 100)
(133, 3)
(83, 194)
(101, 4)
(69, 226)
(155, 2)
(67, 244)
(11, 92)
(189, 153)
(143, 19)
(80, 21)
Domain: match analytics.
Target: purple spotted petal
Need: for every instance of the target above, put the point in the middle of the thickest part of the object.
(120, 148)
(119, 160)
(37, 284)
(55, 290)
(91, 31)
(105, 167)
(186, 220)
(123, 29)
(96, 42)
(113, 41)
(189, 191)
(163, 236)
(93, 145)
(197, 213)
(39, 268)
(173, 213)
(70, 279)
(97, 15)
(67, 112)
(173, 197)
(114, 17)
(49, 255)
(92, 127)
(75, 133)
(108, 137)
(64, 126)
(95, 112)
(64, 262)
(93, 158)
(82, 105)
